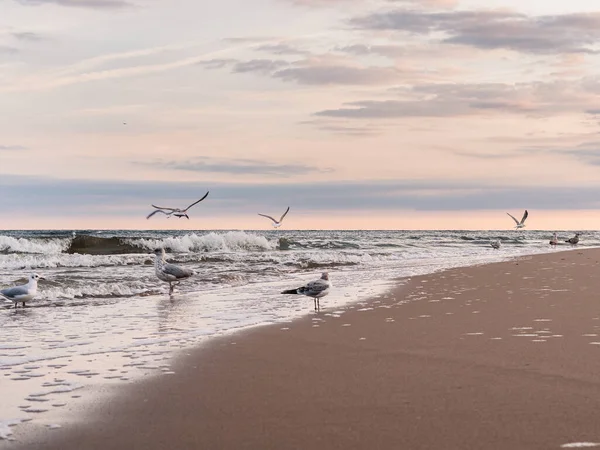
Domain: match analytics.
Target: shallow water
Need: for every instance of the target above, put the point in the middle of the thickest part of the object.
(106, 319)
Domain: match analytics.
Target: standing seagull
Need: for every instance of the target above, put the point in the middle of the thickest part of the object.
(315, 289)
(554, 240)
(574, 240)
(520, 224)
(276, 223)
(169, 272)
(24, 292)
(177, 212)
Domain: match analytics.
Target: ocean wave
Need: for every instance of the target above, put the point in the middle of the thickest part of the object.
(92, 245)
(231, 241)
(9, 244)
(15, 261)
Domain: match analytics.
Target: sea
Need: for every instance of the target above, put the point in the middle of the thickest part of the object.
(102, 317)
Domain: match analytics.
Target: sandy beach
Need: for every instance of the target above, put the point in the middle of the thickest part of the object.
(499, 356)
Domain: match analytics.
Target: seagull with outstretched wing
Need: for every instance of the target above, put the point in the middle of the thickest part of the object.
(520, 224)
(276, 223)
(177, 212)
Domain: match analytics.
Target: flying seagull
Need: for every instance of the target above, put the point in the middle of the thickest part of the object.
(495, 244)
(315, 289)
(276, 223)
(574, 240)
(169, 272)
(520, 224)
(174, 211)
(24, 292)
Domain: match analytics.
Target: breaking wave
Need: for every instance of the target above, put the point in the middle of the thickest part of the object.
(232, 241)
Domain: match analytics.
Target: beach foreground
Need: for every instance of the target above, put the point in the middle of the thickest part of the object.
(501, 356)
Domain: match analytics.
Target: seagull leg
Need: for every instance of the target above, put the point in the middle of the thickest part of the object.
(171, 288)
(23, 304)
(318, 304)
(315, 300)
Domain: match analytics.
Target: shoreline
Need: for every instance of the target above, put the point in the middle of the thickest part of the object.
(70, 348)
(274, 371)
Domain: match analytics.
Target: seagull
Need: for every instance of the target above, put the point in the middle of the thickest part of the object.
(495, 244)
(169, 272)
(315, 289)
(554, 240)
(276, 223)
(520, 224)
(574, 240)
(24, 292)
(174, 211)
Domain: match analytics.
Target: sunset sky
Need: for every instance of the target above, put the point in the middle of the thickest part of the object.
(379, 114)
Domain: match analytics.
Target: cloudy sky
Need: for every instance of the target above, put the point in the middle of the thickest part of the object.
(356, 113)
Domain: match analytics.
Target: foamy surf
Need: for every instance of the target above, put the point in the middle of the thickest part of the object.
(580, 445)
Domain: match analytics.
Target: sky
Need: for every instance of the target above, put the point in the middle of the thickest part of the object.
(358, 114)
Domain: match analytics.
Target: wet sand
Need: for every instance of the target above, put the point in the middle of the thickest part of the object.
(502, 356)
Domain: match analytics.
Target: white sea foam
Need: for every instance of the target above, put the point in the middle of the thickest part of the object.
(230, 241)
(580, 445)
(9, 244)
(5, 427)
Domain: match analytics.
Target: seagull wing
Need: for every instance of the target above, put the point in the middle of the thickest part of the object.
(164, 207)
(14, 292)
(157, 211)
(198, 201)
(513, 218)
(314, 287)
(177, 272)
(524, 216)
(268, 217)
(284, 214)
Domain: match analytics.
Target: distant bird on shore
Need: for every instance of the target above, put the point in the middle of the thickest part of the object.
(169, 272)
(520, 224)
(554, 240)
(177, 212)
(574, 240)
(315, 289)
(24, 292)
(276, 223)
(496, 244)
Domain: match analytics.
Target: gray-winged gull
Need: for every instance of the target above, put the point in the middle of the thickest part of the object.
(22, 293)
(520, 224)
(169, 272)
(276, 223)
(177, 212)
(315, 289)
(574, 240)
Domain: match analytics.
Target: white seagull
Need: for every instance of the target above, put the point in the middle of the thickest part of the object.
(276, 223)
(315, 289)
(520, 224)
(554, 240)
(24, 292)
(495, 244)
(177, 212)
(169, 272)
